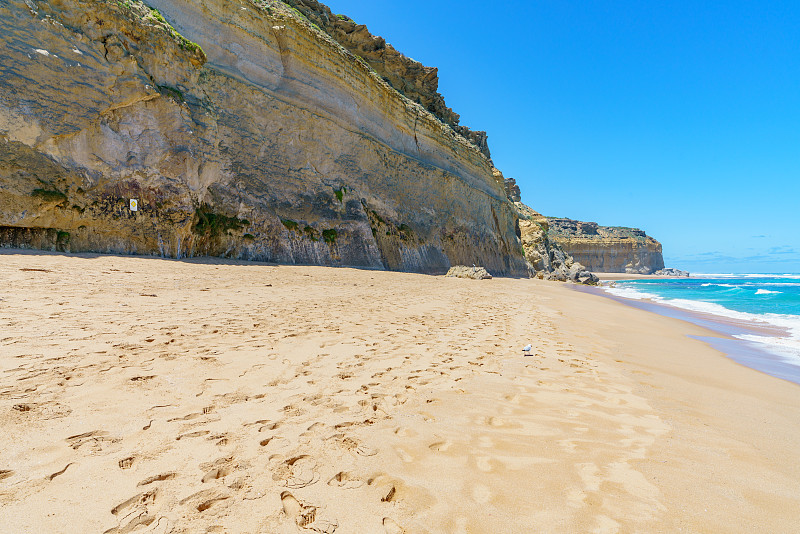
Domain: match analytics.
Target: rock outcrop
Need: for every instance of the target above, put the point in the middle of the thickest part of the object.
(265, 140)
(547, 260)
(606, 249)
(474, 273)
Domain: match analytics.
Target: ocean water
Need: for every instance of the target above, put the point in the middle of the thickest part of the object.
(763, 309)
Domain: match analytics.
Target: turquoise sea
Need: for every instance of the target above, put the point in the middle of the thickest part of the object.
(761, 311)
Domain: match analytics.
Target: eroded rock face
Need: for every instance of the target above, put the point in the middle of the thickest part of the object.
(606, 249)
(267, 141)
(416, 81)
(547, 260)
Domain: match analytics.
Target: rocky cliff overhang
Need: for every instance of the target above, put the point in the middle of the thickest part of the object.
(607, 249)
(242, 130)
(411, 78)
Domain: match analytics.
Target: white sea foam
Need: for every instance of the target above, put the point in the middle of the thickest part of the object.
(767, 292)
(787, 347)
(787, 276)
(630, 293)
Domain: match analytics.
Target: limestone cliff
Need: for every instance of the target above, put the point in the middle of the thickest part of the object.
(607, 249)
(265, 140)
(414, 80)
(547, 260)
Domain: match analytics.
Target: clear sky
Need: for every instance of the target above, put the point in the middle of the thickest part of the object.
(681, 118)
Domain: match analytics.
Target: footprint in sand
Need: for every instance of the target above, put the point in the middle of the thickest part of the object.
(297, 472)
(385, 487)
(220, 439)
(345, 480)
(390, 527)
(405, 432)
(275, 442)
(205, 499)
(126, 463)
(196, 434)
(138, 500)
(441, 446)
(141, 520)
(95, 438)
(353, 445)
(157, 478)
(305, 515)
(293, 411)
(215, 474)
(404, 455)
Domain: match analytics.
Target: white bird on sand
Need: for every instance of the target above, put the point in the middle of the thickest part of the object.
(527, 350)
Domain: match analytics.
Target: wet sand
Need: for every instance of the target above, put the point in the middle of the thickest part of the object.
(148, 395)
(752, 355)
(624, 276)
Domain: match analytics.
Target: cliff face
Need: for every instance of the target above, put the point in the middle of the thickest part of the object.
(267, 141)
(416, 81)
(547, 260)
(607, 249)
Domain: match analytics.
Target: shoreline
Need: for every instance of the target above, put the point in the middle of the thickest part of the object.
(614, 277)
(313, 399)
(724, 329)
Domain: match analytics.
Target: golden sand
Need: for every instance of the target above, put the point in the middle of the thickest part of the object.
(148, 395)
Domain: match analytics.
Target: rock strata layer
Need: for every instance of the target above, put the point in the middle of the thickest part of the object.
(265, 140)
(546, 259)
(414, 80)
(606, 249)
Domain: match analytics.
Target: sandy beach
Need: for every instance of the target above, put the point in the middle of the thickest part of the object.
(149, 395)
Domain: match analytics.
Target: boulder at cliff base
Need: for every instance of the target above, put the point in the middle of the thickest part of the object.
(462, 271)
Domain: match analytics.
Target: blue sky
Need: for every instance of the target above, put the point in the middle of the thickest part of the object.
(680, 118)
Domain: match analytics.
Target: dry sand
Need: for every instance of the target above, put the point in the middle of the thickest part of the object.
(147, 395)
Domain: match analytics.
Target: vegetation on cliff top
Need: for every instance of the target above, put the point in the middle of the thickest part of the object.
(183, 42)
(150, 14)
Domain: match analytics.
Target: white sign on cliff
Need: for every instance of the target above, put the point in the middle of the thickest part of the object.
(134, 204)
